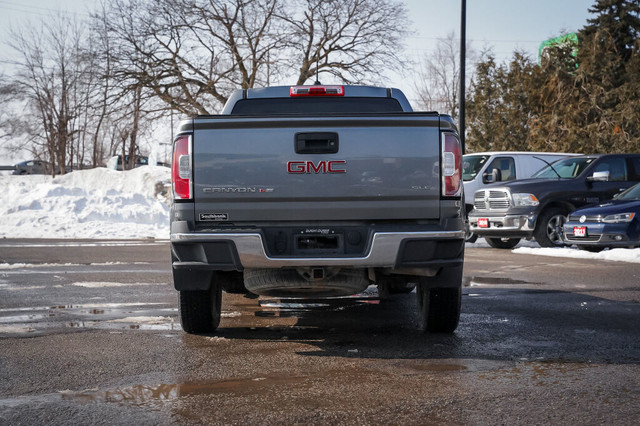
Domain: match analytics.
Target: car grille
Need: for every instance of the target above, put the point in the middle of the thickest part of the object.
(491, 200)
(589, 239)
(576, 218)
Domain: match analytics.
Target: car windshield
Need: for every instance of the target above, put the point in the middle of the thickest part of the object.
(632, 193)
(564, 169)
(471, 165)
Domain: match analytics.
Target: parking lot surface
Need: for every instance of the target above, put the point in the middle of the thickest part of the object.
(89, 334)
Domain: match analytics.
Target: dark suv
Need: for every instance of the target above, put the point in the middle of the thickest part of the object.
(537, 208)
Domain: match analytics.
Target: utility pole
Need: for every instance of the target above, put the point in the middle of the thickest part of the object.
(463, 59)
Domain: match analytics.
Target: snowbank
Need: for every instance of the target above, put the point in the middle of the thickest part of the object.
(96, 203)
(532, 248)
(618, 254)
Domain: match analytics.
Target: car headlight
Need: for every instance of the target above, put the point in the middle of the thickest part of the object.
(619, 218)
(524, 200)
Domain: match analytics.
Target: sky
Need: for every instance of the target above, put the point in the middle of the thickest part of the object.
(502, 25)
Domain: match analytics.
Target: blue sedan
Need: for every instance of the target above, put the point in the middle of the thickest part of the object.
(615, 223)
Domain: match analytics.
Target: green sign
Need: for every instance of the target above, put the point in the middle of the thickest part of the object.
(566, 40)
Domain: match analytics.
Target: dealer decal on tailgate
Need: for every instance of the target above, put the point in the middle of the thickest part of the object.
(214, 217)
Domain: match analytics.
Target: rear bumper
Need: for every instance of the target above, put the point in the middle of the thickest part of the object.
(237, 251)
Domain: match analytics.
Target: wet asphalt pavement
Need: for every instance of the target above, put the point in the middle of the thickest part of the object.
(89, 334)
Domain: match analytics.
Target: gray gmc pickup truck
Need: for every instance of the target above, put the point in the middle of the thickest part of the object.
(317, 191)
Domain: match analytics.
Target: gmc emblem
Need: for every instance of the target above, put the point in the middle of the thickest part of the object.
(319, 167)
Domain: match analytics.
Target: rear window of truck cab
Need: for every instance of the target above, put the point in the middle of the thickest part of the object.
(315, 105)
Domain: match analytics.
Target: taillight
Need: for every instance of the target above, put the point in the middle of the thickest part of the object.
(316, 91)
(451, 165)
(181, 168)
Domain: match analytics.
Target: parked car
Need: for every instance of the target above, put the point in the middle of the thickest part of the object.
(33, 167)
(538, 207)
(615, 223)
(483, 168)
(115, 162)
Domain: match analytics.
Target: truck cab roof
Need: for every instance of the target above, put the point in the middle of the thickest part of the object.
(280, 100)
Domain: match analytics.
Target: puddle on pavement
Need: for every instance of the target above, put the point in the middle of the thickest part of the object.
(102, 305)
(22, 318)
(160, 316)
(150, 395)
(145, 394)
(92, 243)
(140, 395)
(105, 316)
(491, 281)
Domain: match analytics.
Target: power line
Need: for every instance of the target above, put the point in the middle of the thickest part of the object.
(37, 10)
(477, 40)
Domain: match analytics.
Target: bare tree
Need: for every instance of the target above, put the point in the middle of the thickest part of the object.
(101, 105)
(193, 53)
(438, 76)
(352, 40)
(125, 106)
(49, 83)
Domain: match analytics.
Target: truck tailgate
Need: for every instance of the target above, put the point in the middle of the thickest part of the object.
(370, 167)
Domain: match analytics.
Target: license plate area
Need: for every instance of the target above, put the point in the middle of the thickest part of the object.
(483, 222)
(579, 231)
(318, 244)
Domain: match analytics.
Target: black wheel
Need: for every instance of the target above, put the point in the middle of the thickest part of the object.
(591, 249)
(548, 232)
(438, 307)
(502, 243)
(200, 310)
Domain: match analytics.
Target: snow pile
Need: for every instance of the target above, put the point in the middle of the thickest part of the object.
(532, 248)
(96, 203)
(616, 254)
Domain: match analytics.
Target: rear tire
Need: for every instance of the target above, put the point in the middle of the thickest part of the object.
(502, 243)
(200, 310)
(439, 307)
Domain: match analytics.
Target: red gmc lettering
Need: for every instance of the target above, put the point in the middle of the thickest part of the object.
(311, 167)
(296, 167)
(322, 166)
(331, 168)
